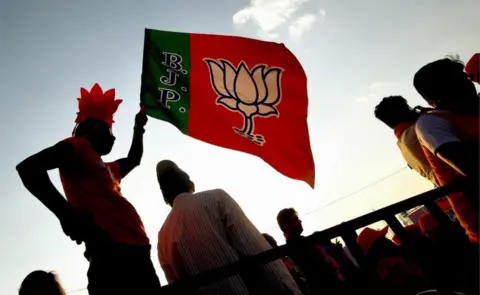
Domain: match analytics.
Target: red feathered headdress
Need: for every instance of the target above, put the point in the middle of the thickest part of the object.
(472, 68)
(97, 104)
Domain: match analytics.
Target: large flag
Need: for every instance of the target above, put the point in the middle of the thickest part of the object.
(237, 93)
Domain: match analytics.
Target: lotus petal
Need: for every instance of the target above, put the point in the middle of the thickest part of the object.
(217, 77)
(84, 94)
(109, 94)
(266, 110)
(245, 88)
(272, 80)
(229, 77)
(257, 75)
(96, 90)
(116, 103)
(228, 102)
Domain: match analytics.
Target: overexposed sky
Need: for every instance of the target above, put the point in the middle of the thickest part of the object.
(354, 53)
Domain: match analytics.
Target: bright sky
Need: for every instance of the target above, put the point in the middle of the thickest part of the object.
(354, 53)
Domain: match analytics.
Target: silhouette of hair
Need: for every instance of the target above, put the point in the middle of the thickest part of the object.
(40, 282)
(284, 216)
(172, 180)
(454, 57)
(270, 240)
(428, 78)
(394, 110)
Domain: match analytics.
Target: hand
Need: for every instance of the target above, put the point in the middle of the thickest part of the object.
(141, 119)
(78, 225)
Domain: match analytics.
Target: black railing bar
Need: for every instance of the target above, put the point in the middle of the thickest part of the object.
(381, 214)
(230, 270)
(327, 234)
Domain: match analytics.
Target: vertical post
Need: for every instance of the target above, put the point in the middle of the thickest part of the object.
(396, 227)
(350, 239)
(438, 213)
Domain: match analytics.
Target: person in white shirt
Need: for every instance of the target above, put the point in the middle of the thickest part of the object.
(447, 88)
(207, 230)
(450, 135)
(395, 112)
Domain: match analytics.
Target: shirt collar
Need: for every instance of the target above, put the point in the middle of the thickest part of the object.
(178, 197)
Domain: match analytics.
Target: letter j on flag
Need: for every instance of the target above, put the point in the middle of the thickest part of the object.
(233, 92)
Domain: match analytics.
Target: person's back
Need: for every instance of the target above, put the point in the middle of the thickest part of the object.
(395, 112)
(413, 153)
(207, 230)
(450, 134)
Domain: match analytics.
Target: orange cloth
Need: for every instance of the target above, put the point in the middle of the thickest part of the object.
(413, 230)
(398, 271)
(412, 151)
(400, 128)
(94, 186)
(368, 236)
(468, 130)
(330, 260)
(428, 223)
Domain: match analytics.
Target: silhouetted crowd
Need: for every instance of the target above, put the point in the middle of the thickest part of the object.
(207, 230)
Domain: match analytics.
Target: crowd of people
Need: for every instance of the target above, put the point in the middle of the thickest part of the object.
(206, 230)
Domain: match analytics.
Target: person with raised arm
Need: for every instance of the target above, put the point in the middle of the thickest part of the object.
(95, 211)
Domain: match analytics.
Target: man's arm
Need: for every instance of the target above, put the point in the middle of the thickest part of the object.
(34, 175)
(439, 136)
(134, 155)
(136, 149)
(462, 157)
(177, 260)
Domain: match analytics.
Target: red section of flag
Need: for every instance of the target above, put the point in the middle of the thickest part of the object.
(222, 98)
(444, 205)
(472, 68)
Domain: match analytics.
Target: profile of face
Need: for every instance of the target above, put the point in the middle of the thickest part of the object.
(184, 181)
(102, 138)
(292, 225)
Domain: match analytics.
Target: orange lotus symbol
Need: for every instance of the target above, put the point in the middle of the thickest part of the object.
(252, 93)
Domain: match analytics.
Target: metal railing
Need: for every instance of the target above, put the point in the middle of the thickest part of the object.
(346, 230)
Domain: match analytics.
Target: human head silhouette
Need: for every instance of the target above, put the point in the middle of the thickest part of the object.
(40, 282)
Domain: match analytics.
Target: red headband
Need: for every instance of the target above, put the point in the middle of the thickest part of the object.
(97, 104)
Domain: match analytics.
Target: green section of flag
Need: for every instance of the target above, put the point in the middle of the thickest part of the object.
(166, 77)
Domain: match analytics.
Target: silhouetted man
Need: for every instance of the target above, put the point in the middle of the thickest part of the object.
(207, 230)
(450, 134)
(395, 112)
(95, 211)
(321, 271)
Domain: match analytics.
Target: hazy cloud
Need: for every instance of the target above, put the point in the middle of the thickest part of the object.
(301, 25)
(268, 15)
(375, 91)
